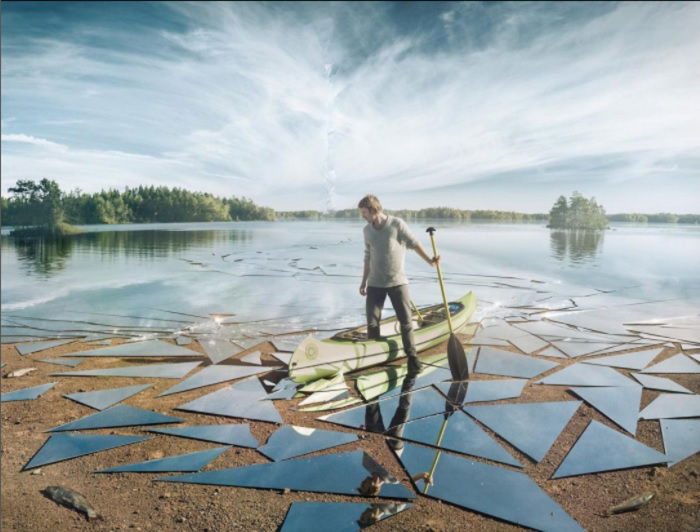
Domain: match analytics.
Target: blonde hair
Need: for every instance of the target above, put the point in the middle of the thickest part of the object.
(371, 203)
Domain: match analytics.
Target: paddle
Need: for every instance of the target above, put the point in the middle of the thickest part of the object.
(456, 356)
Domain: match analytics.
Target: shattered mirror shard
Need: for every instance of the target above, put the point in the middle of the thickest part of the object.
(240, 400)
(252, 358)
(508, 495)
(26, 394)
(219, 349)
(117, 416)
(620, 404)
(338, 516)
(152, 348)
(34, 347)
(601, 448)
(101, 399)
(162, 371)
(581, 374)
(181, 463)
(289, 441)
(574, 349)
(351, 473)
(230, 433)
(660, 383)
(215, 374)
(488, 390)
(498, 362)
(530, 427)
(454, 432)
(679, 363)
(671, 405)
(636, 360)
(60, 447)
(681, 438)
(70, 362)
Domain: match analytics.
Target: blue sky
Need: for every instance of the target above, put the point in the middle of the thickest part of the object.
(312, 105)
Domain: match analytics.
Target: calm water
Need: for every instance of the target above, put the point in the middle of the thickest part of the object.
(307, 270)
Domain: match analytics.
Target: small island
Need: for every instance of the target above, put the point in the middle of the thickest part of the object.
(577, 213)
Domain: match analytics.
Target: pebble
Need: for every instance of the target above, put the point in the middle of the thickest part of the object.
(36, 472)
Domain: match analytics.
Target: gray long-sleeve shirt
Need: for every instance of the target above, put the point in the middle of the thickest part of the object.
(385, 249)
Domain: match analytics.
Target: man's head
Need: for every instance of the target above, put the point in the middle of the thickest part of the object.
(369, 207)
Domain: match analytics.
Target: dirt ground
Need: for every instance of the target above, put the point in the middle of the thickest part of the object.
(132, 501)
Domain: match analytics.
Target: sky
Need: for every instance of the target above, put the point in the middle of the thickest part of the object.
(296, 105)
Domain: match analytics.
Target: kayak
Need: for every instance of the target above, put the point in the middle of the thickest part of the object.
(350, 350)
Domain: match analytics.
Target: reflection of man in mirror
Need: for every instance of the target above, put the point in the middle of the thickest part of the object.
(372, 484)
(378, 511)
(386, 240)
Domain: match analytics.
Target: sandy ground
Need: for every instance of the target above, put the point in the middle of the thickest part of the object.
(134, 501)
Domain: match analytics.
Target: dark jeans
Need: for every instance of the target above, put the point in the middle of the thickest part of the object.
(401, 301)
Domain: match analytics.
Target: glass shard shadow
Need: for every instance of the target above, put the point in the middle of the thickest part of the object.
(460, 434)
(289, 441)
(338, 516)
(117, 416)
(35, 347)
(26, 394)
(240, 400)
(581, 374)
(163, 371)
(231, 434)
(59, 447)
(497, 362)
(70, 362)
(508, 495)
(492, 390)
(101, 399)
(152, 348)
(352, 473)
(182, 463)
(679, 363)
(681, 438)
(660, 383)
(671, 405)
(530, 427)
(218, 349)
(619, 404)
(636, 360)
(601, 448)
(215, 374)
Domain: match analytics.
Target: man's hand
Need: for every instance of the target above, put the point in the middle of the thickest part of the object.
(363, 289)
(434, 261)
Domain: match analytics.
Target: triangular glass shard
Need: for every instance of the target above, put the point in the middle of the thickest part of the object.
(460, 434)
(181, 463)
(183, 340)
(282, 394)
(101, 399)
(218, 349)
(695, 357)
(241, 400)
(601, 448)
(681, 438)
(671, 405)
(338, 516)
(26, 394)
(580, 349)
(283, 357)
(530, 427)
(215, 374)
(352, 473)
(252, 358)
(488, 390)
(289, 441)
(152, 348)
(163, 371)
(660, 383)
(679, 363)
(508, 495)
(619, 403)
(70, 362)
(117, 416)
(231, 434)
(552, 351)
(636, 360)
(497, 362)
(35, 347)
(581, 374)
(528, 343)
(59, 447)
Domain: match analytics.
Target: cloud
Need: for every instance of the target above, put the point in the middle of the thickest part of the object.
(240, 99)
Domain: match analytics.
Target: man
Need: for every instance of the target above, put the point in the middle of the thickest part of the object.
(386, 240)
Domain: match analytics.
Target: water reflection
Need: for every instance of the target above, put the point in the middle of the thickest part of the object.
(47, 256)
(580, 246)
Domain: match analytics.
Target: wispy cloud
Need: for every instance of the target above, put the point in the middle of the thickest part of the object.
(266, 100)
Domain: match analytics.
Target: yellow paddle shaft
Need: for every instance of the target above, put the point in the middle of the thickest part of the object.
(442, 286)
(417, 311)
(437, 455)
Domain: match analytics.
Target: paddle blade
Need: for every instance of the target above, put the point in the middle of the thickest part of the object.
(457, 359)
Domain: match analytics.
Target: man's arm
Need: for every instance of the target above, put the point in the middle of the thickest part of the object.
(365, 275)
(430, 260)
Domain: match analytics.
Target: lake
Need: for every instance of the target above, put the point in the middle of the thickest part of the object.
(301, 274)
